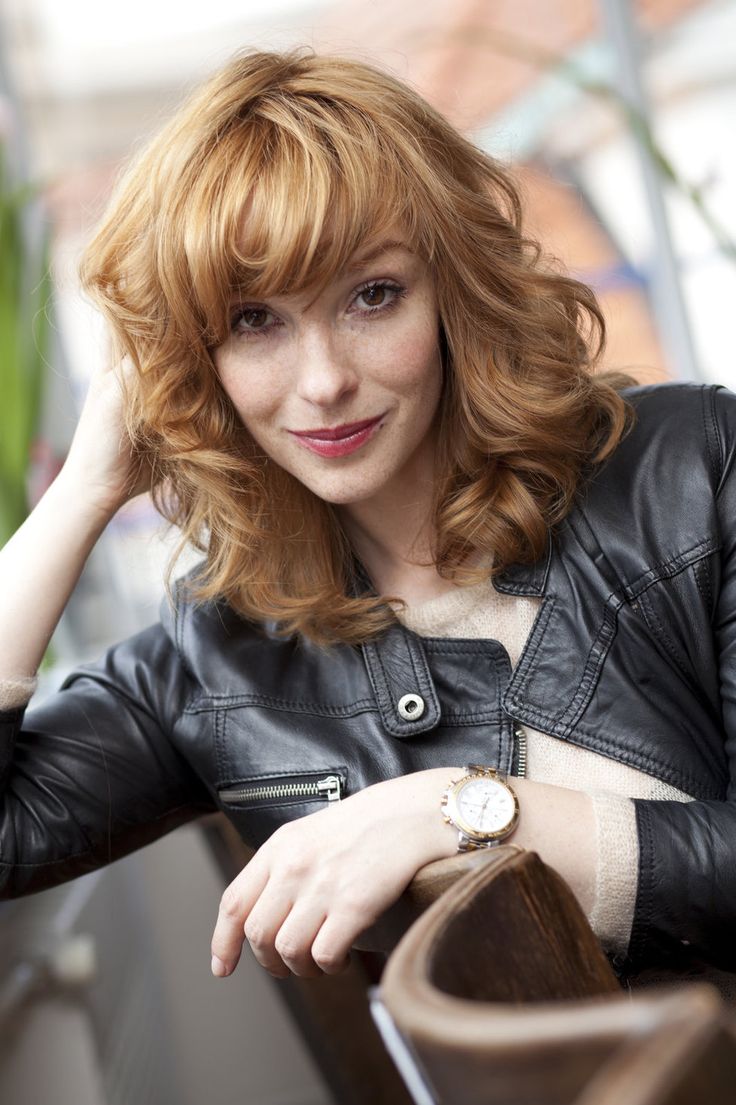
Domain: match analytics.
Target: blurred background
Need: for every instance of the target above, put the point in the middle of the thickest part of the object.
(618, 119)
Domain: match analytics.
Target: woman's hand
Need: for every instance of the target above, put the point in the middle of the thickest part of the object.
(102, 463)
(321, 880)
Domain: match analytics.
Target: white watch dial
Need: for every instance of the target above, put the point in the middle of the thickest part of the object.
(486, 805)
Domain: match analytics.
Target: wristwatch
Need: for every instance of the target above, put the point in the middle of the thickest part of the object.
(482, 807)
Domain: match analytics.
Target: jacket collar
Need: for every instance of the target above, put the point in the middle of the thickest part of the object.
(397, 663)
(397, 666)
(526, 579)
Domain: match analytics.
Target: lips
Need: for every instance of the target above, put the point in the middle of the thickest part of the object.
(336, 433)
(338, 441)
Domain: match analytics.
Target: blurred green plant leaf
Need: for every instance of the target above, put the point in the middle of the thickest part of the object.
(25, 290)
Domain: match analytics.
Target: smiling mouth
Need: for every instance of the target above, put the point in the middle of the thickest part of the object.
(337, 433)
(339, 441)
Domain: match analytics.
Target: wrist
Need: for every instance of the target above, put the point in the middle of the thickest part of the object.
(423, 798)
(86, 504)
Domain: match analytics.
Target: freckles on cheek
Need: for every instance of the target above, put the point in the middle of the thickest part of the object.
(248, 391)
(411, 364)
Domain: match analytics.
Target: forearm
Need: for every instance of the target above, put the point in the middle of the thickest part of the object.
(15, 693)
(42, 562)
(40, 566)
(557, 823)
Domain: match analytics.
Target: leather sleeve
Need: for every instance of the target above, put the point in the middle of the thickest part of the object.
(686, 901)
(92, 773)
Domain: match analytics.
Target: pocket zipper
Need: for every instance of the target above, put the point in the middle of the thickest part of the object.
(329, 788)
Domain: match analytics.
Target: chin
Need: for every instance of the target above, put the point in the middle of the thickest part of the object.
(342, 491)
(343, 496)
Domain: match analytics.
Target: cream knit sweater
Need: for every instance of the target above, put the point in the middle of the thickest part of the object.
(16, 692)
(482, 612)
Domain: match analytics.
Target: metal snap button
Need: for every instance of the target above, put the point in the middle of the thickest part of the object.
(411, 707)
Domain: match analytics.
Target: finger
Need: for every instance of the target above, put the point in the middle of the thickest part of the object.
(295, 938)
(235, 906)
(263, 924)
(331, 945)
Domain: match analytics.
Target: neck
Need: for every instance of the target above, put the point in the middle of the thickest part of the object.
(393, 535)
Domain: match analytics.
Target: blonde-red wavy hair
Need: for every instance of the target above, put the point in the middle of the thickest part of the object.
(266, 182)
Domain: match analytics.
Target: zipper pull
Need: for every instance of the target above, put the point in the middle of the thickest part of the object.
(331, 787)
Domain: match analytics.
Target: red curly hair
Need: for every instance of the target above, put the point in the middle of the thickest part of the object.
(266, 182)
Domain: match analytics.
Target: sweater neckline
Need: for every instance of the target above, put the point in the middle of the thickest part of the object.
(444, 609)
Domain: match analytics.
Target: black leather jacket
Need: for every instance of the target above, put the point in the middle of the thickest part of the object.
(633, 655)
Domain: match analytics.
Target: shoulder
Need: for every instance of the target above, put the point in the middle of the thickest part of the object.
(224, 653)
(655, 499)
(676, 428)
(199, 629)
(679, 404)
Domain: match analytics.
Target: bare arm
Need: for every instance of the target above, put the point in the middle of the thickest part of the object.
(42, 562)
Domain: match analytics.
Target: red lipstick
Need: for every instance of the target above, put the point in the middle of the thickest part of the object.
(338, 441)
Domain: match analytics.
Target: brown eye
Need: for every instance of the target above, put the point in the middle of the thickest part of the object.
(255, 319)
(377, 298)
(248, 321)
(374, 296)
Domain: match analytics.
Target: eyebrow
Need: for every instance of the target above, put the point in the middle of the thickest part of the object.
(380, 248)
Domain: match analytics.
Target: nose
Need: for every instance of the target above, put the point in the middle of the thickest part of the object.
(326, 374)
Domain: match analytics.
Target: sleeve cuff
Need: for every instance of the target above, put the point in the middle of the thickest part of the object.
(617, 877)
(15, 693)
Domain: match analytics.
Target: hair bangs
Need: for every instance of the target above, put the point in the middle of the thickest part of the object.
(292, 225)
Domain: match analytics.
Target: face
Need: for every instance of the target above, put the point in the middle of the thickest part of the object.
(342, 390)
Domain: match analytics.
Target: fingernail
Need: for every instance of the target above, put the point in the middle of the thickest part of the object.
(219, 970)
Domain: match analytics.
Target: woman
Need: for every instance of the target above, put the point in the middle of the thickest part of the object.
(356, 387)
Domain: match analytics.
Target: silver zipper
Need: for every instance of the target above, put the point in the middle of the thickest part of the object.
(520, 736)
(329, 788)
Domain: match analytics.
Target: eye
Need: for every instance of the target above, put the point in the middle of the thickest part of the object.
(378, 295)
(375, 295)
(253, 320)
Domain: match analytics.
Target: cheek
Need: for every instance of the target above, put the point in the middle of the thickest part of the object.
(421, 372)
(413, 367)
(251, 390)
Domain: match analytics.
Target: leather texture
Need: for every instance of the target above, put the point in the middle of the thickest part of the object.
(633, 655)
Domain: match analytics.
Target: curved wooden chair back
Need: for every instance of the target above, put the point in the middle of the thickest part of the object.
(504, 996)
(683, 1063)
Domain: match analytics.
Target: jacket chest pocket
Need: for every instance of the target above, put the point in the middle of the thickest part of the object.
(258, 805)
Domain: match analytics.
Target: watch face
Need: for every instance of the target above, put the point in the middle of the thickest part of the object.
(485, 807)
